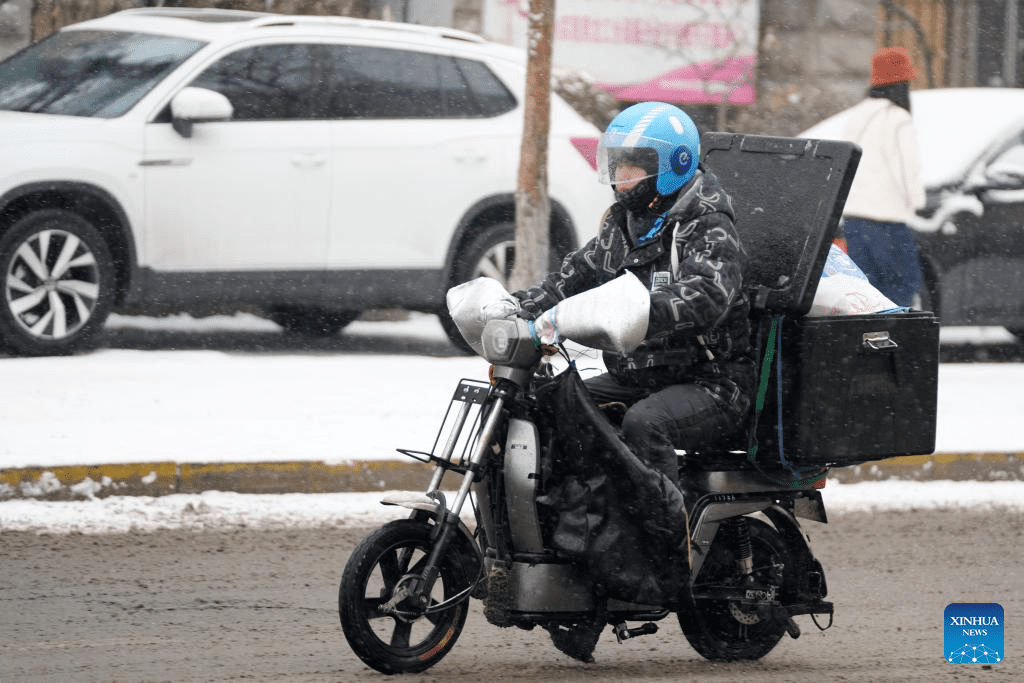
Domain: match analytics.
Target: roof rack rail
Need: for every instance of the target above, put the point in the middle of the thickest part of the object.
(206, 14)
(267, 21)
(255, 19)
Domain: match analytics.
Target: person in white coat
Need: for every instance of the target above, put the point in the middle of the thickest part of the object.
(887, 189)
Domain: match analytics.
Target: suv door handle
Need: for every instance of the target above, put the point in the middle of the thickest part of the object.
(471, 156)
(165, 162)
(310, 160)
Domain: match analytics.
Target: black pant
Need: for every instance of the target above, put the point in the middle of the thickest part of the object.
(659, 421)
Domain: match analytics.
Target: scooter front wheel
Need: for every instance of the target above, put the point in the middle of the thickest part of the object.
(387, 628)
(723, 629)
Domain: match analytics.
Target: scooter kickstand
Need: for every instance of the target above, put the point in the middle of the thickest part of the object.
(622, 633)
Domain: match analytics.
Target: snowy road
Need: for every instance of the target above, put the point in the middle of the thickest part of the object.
(260, 605)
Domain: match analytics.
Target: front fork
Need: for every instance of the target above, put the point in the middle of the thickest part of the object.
(449, 518)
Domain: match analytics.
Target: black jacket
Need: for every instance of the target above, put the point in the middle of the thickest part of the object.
(693, 263)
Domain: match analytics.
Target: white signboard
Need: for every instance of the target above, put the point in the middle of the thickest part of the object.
(682, 51)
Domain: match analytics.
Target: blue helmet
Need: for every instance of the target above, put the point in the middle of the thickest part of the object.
(659, 138)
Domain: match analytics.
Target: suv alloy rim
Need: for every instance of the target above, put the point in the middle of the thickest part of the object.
(52, 284)
(497, 262)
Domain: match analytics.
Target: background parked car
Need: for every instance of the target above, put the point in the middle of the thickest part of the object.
(971, 234)
(305, 168)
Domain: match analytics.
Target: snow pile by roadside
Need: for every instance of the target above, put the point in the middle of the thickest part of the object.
(215, 510)
(210, 510)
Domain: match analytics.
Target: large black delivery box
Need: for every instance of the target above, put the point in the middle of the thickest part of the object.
(835, 390)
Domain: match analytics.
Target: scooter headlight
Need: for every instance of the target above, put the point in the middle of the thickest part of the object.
(507, 341)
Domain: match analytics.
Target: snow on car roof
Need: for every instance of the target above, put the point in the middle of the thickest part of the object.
(954, 127)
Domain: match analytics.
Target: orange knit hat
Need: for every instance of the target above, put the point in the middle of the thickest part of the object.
(892, 65)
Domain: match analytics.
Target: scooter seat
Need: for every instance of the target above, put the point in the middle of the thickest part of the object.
(714, 461)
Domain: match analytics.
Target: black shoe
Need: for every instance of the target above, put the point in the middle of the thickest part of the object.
(577, 641)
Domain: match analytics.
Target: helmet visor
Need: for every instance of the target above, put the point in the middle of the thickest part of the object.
(622, 157)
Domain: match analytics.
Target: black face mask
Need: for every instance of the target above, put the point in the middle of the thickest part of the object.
(640, 195)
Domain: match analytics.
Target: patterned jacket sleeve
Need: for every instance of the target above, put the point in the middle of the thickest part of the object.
(579, 272)
(707, 279)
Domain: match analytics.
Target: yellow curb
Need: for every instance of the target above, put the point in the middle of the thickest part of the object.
(945, 466)
(155, 479)
(305, 477)
(162, 478)
(83, 481)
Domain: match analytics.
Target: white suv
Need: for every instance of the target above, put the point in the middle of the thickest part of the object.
(305, 168)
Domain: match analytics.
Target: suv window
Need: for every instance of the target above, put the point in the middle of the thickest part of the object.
(491, 94)
(384, 83)
(265, 83)
(89, 73)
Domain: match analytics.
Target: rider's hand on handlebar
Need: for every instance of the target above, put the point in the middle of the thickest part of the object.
(503, 308)
(526, 314)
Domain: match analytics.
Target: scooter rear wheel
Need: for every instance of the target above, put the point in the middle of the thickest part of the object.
(728, 630)
(400, 637)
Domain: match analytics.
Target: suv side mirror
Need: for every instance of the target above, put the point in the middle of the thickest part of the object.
(1005, 174)
(198, 105)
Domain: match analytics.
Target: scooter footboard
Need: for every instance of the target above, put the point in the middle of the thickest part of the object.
(528, 587)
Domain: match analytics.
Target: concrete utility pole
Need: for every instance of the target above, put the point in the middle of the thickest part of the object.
(533, 209)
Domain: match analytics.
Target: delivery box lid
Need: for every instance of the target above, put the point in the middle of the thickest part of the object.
(788, 194)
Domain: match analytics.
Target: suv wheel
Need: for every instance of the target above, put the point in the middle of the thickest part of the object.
(311, 321)
(490, 254)
(58, 283)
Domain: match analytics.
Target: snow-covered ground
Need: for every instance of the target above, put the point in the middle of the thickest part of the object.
(128, 406)
(125, 406)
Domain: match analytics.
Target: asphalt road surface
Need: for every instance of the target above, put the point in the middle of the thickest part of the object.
(252, 605)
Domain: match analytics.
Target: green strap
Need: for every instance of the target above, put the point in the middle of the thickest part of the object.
(766, 365)
(762, 391)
